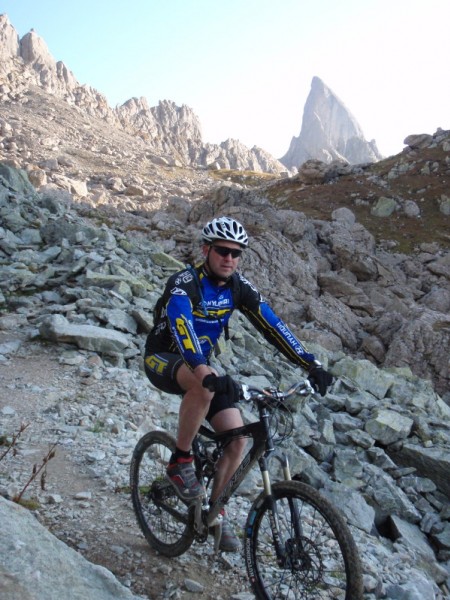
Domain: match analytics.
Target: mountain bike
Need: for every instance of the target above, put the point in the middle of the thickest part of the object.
(297, 545)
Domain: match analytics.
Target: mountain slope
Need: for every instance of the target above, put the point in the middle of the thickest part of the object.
(166, 129)
(393, 250)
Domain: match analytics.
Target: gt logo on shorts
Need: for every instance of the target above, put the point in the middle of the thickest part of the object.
(156, 364)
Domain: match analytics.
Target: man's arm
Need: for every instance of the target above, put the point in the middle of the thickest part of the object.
(276, 332)
(181, 323)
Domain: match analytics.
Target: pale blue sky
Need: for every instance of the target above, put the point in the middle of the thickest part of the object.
(245, 66)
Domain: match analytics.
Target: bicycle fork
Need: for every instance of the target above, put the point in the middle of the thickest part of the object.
(283, 547)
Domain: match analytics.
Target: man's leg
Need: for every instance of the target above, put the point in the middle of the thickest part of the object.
(193, 409)
(194, 406)
(228, 418)
(169, 373)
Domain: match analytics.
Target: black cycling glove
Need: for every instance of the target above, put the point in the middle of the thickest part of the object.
(319, 378)
(222, 385)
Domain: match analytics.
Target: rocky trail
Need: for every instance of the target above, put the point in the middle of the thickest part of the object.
(78, 505)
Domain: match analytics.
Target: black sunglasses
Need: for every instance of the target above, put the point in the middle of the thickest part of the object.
(224, 251)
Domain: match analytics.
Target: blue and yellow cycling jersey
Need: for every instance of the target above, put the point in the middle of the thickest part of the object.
(194, 313)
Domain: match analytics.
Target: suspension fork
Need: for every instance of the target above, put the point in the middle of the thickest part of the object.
(282, 458)
(272, 512)
(295, 516)
(264, 467)
(282, 548)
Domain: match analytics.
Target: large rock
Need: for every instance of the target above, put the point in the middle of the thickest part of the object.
(89, 337)
(388, 426)
(365, 376)
(35, 565)
(423, 340)
(433, 463)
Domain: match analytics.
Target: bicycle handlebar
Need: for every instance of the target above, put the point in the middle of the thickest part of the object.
(302, 388)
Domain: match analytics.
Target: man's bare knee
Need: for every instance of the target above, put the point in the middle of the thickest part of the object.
(236, 448)
(189, 382)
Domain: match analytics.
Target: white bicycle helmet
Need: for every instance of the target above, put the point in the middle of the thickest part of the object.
(225, 228)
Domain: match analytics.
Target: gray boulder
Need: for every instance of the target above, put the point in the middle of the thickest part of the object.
(35, 565)
(89, 337)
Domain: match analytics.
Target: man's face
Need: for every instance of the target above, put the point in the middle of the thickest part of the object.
(222, 266)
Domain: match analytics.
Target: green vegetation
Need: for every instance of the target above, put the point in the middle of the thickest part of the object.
(247, 178)
(360, 193)
(420, 178)
(98, 427)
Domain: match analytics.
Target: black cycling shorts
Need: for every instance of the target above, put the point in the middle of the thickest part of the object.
(161, 369)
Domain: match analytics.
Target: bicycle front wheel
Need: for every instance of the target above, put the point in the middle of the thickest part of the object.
(317, 554)
(164, 519)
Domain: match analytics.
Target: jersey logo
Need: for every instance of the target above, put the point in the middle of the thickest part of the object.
(184, 335)
(247, 282)
(184, 277)
(156, 364)
(177, 292)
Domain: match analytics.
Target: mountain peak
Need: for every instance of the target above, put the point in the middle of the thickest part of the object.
(329, 132)
(9, 40)
(316, 82)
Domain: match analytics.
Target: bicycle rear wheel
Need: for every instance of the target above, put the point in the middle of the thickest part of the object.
(319, 556)
(164, 519)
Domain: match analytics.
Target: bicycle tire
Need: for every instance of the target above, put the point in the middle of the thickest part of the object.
(321, 561)
(164, 519)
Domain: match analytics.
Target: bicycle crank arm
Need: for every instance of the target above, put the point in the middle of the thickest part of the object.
(217, 536)
(216, 523)
(198, 521)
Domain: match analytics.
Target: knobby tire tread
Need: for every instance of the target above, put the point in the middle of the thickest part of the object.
(165, 533)
(313, 503)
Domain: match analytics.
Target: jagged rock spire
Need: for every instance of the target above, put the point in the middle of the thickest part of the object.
(9, 41)
(329, 132)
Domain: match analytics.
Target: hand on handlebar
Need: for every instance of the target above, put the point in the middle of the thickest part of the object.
(319, 379)
(222, 385)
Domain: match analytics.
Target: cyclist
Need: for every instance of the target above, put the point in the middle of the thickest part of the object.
(192, 313)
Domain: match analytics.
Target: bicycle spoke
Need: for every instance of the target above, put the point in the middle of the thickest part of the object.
(162, 515)
(312, 564)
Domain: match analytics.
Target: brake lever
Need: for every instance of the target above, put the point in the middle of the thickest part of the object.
(245, 393)
(302, 388)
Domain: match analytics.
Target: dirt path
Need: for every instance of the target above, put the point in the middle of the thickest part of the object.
(79, 507)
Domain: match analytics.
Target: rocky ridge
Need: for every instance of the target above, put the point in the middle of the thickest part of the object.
(171, 131)
(329, 132)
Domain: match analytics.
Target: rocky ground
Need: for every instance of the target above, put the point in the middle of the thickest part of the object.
(86, 502)
(94, 402)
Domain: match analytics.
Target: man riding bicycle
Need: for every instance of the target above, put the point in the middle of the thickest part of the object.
(193, 313)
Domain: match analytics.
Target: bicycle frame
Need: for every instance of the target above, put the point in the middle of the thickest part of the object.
(261, 450)
(293, 537)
